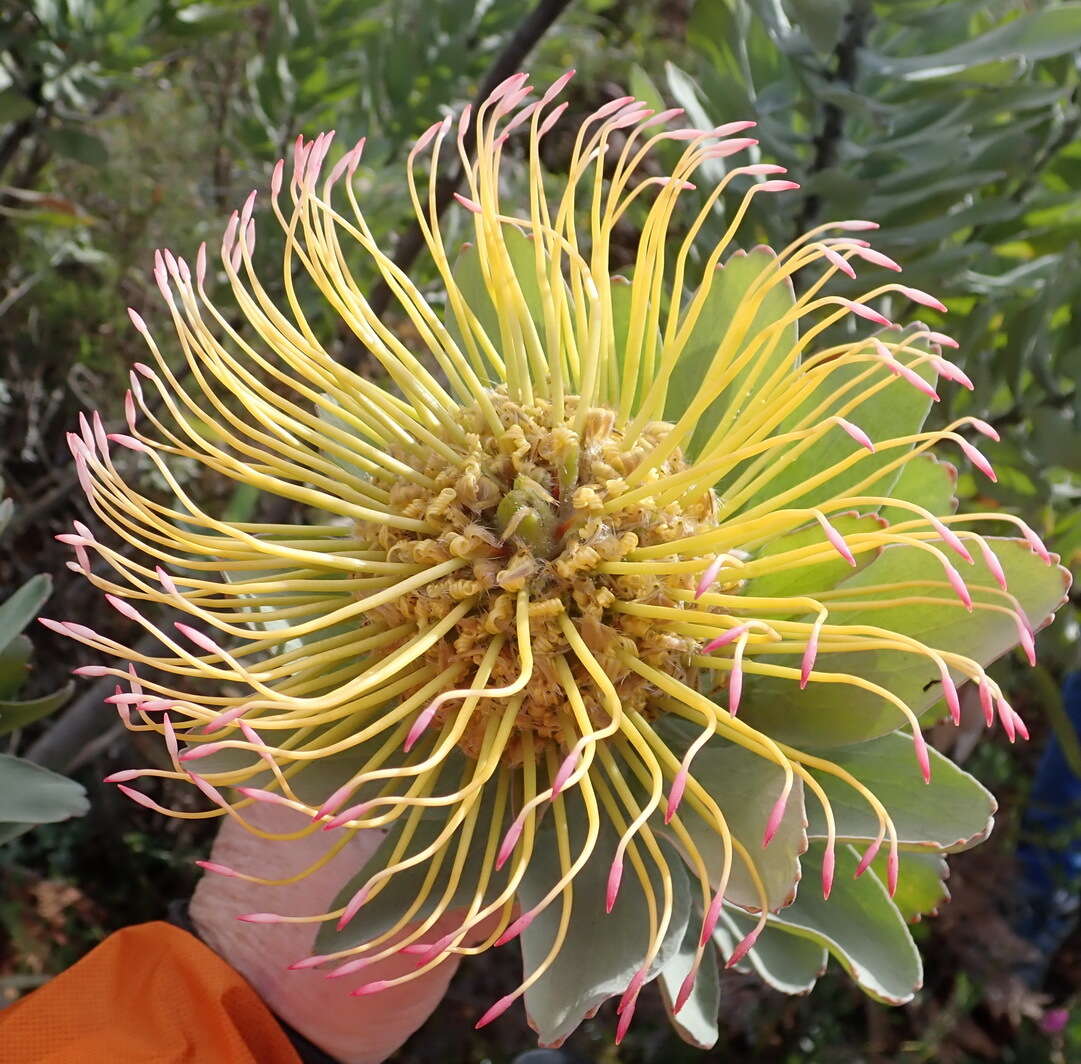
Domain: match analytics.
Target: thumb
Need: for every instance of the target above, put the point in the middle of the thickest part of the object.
(355, 1030)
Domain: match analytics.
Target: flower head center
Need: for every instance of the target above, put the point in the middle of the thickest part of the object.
(523, 511)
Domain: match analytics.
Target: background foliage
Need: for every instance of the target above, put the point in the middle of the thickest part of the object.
(129, 124)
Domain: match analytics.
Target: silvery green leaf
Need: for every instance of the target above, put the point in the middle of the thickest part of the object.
(838, 714)
(859, 925)
(745, 787)
(952, 812)
(601, 952)
(786, 962)
(696, 1022)
(30, 794)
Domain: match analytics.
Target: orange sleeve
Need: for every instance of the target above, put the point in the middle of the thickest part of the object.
(149, 994)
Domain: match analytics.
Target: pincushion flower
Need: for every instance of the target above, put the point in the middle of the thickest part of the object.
(620, 604)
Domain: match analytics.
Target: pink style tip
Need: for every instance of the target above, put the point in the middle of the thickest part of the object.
(708, 577)
(354, 906)
(985, 428)
(92, 670)
(868, 856)
(775, 186)
(838, 261)
(566, 770)
(685, 989)
(257, 794)
(125, 609)
(675, 795)
(354, 812)
(516, 928)
(735, 686)
(742, 948)
(876, 258)
(949, 692)
(193, 753)
(375, 987)
(925, 299)
(974, 455)
(615, 876)
(139, 798)
(260, 918)
(137, 320)
(1006, 717)
(836, 539)
(222, 719)
(807, 664)
(709, 922)
(1028, 644)
(1019, 724)
(728, 637)
(630, 995)
(893, 868)
(306, 963)
(495, 1011)
(625, 1018)
(923, 758)
(1035, 543)
(775, 817)
(420, 726)
(855, 225)
(829, 865)
(861, 310)
(123, 776)
(470, 205)
(857, 434)
(203, 642)
(959, 586)
(987, 704)
(349, 968)
(220, 869)
(951, 539)
(130, 442)
(510, 840)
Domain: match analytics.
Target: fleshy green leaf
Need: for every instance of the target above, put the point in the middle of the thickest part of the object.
(601, 952)
(696, 1022)
(952, 812)
(745, 788)
(730, 285)
(19, 714)
(14, 663)
(786, 962)
(30, 794)
(835, 714)
(921, 883)
(928, 482)
(19, 609)
(859, 925)
(897, 409)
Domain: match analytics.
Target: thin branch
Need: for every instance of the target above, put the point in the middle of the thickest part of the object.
(830, 137)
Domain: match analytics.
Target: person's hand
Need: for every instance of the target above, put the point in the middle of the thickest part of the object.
(355, 1030)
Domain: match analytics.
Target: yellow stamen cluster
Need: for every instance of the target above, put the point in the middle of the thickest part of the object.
(525, 511)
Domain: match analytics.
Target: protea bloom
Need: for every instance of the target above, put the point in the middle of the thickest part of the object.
(622, 600)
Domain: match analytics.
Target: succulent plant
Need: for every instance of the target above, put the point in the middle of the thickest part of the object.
(620, 607)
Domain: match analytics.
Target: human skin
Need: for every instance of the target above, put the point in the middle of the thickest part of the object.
(354, 1030)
